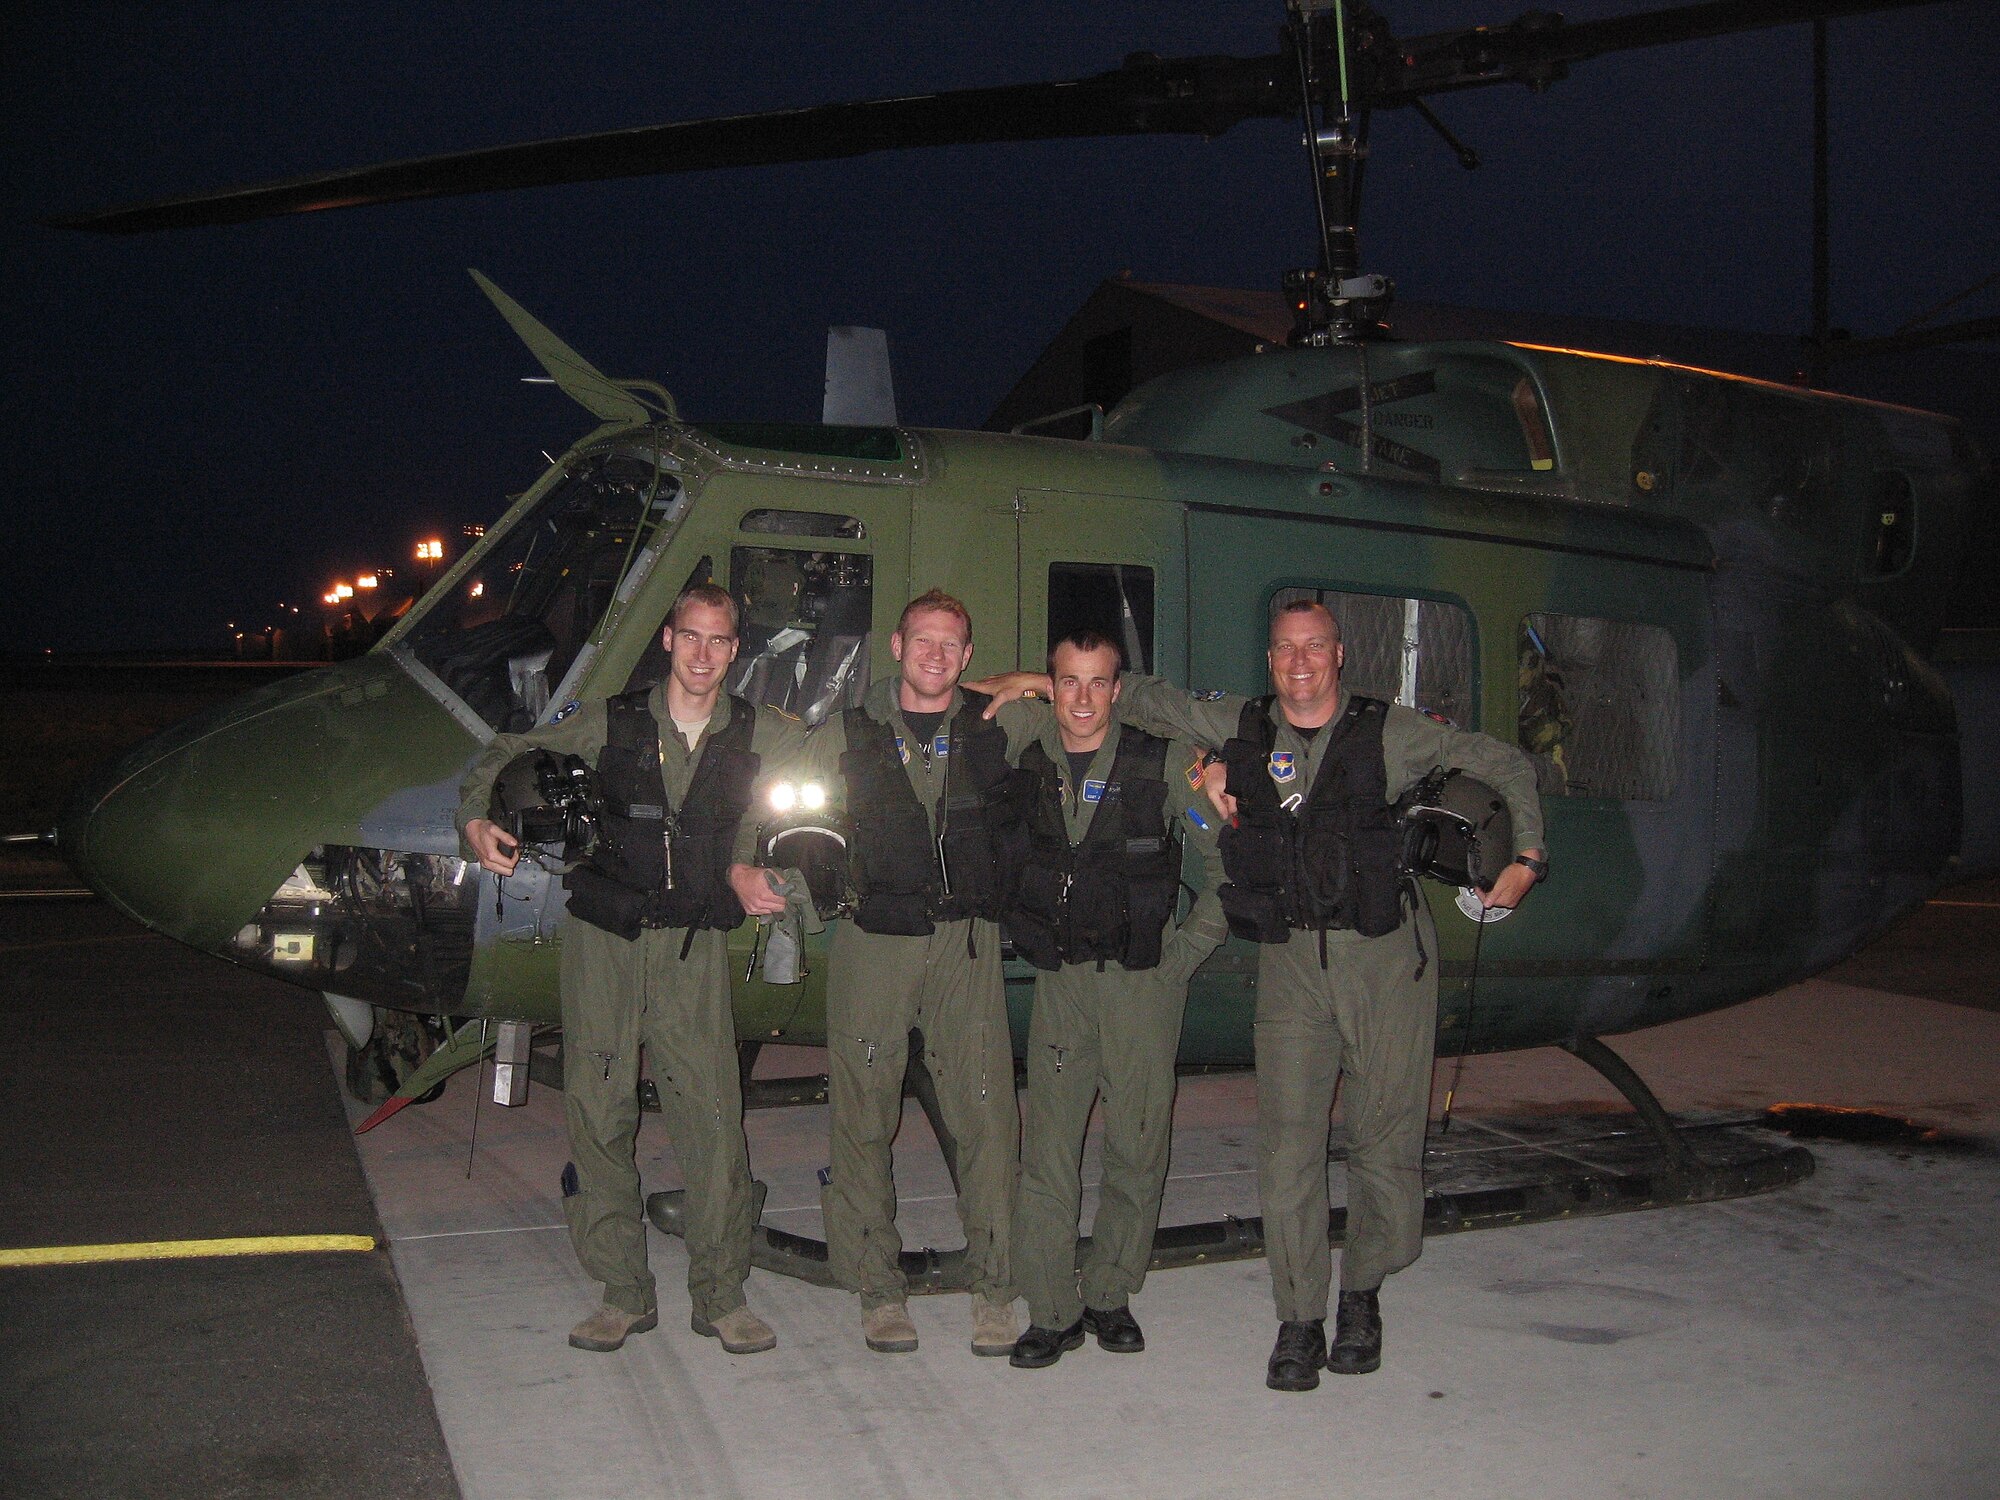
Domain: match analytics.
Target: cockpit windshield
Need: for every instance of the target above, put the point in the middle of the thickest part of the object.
(510, 626)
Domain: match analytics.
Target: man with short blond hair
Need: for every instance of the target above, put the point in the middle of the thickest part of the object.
(929, 786)
(645, 964)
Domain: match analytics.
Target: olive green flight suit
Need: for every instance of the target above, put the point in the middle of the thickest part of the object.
(1368, 1014)
(1102, 1030)
(947, 986)
(620, 997)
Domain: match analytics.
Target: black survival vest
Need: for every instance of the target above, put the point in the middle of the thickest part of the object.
(909, 881)
(657, 866)
(1331, 864)
(1110, 896)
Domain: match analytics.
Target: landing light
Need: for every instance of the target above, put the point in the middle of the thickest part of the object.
(786, 795)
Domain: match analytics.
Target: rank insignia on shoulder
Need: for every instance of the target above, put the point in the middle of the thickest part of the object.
(902, 750)
(1194, 774)
(1093, 791)
(1282, 768)
(1195, 817)
(565, 711)
(1205, 695)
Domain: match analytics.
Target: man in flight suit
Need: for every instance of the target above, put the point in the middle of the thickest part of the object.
(645, 964)
(1347, 969)
(929, 786)
(1094, 913)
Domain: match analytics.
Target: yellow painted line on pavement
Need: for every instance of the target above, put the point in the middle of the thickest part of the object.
(278, 1244)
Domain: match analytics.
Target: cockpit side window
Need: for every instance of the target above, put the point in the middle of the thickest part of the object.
(505, 635)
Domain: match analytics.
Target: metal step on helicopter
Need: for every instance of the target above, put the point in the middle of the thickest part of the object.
(1703, 603)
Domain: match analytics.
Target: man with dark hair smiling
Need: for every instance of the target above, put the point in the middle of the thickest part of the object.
(645, 964)
(1346, 967)
(1094, 913)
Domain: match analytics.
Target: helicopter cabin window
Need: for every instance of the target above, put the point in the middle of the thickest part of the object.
(1113, 599)
(805, 620)
(1416, 652)
(512, 624)
(1599, 707)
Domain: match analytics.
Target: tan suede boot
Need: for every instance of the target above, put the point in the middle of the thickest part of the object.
(741, 1331)
(607, 1328)
(888, 1329)
(995, 1330)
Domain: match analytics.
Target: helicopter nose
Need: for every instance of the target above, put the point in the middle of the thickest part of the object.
(191, 832)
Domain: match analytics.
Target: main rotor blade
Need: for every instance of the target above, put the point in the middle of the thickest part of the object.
(1147, 96)
(1537, 49)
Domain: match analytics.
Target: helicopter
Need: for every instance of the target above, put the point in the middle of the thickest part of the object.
(1703, 603)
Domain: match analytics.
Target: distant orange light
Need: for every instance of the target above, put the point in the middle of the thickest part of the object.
(478, 589)
(365, 581)
(343, 591)
(432, 551)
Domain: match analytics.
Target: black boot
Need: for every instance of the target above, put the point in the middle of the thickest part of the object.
(1296, 1360)
(1041, 1347)
(1357, 1335)
(1116, 1329)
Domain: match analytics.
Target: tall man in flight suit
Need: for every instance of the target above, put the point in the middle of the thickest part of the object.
(1094, 913)
(645, 964)
(930, 788)
(1347, 969)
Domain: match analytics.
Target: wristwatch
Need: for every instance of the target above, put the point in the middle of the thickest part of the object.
(1539, 868)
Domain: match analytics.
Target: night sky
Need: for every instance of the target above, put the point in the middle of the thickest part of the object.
(207, 422)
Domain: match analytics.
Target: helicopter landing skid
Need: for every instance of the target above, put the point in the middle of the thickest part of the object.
(1486, 1173)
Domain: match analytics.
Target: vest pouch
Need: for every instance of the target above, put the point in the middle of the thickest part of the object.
(1326, 865)
(1254, 916)
(1034, 939)
(603, 902)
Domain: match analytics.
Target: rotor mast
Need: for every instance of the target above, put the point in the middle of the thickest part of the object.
(1337, 303)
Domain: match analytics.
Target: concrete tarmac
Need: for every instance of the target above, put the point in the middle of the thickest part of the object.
(151, 1094)
(1832, 1339)
(1835, 1338)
